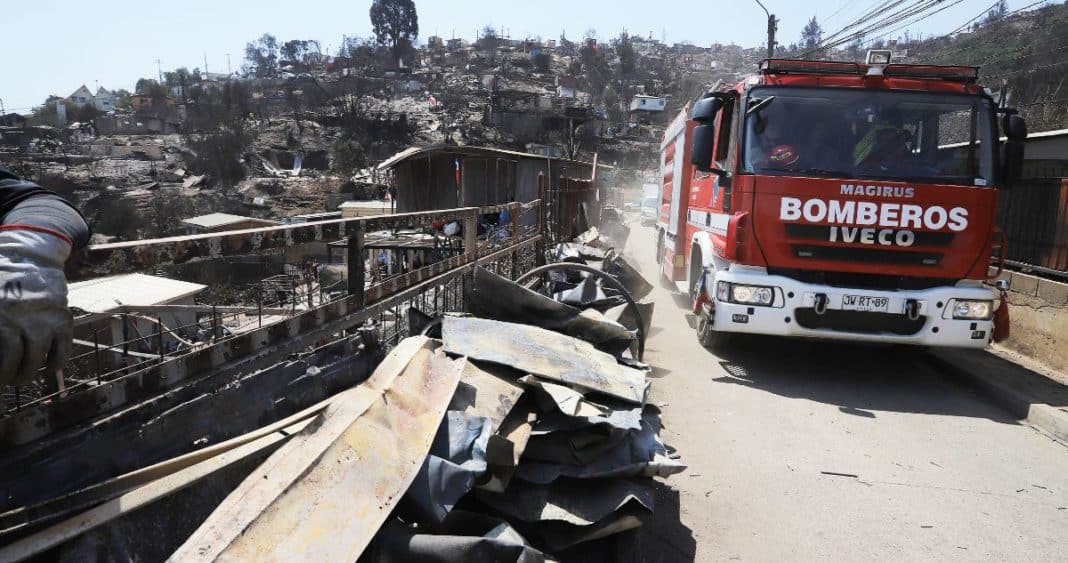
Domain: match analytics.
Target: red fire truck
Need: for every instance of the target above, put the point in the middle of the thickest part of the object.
(840, 200)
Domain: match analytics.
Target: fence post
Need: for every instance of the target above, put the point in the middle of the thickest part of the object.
(356, 264)
(259, 303)
(125, 342)
(214, 323)
(470, 226)
(96, 355)
(159, 337)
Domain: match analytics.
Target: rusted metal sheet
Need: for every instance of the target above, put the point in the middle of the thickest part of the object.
(508, 444)
(263, 346)
(324, 494)
(545, 353)
(575, 406)
(486, 393)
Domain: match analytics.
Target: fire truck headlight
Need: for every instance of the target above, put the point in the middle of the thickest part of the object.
(967, 309)
(752, 294)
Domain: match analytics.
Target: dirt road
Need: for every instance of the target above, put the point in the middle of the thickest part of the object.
(802, 451)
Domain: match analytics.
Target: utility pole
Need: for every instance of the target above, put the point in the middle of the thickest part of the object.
(229, 71)
(205, 63)
(159, 67)
(772, 27)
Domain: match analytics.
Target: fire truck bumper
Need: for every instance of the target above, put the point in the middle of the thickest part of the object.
(928, 317)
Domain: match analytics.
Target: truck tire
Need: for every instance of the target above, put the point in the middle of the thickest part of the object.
(709, 338)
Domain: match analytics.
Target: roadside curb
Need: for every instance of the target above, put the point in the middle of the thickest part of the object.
(981, 370)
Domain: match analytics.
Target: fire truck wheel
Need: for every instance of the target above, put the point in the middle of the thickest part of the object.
(710, 339)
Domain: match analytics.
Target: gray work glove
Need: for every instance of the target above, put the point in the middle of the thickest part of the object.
(36, 328)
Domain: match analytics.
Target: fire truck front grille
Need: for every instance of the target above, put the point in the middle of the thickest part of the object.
(859, 322)
(867, 255)
(861, 281)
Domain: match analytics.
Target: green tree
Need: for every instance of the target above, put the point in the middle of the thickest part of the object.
(596, 70)
(811, 35)
(122, 98)
(261, 57)
(180, 78)
(395, 24)
(220, 152)
(301, 53)
(349, 157)
(153, 89)
(543, 62)
(627, 57)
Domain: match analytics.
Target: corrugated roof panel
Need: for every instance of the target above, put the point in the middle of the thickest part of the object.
(102, 295)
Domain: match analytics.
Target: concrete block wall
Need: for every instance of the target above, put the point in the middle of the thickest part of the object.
(1039, 314)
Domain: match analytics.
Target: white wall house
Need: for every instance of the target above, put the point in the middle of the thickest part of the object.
(648, 103)
(104, 100)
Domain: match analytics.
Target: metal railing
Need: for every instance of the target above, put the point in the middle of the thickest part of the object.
(140, 365)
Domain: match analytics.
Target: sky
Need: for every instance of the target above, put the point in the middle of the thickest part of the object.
(54, 47)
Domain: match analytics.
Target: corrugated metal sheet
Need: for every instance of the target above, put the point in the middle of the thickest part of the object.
(549, 354)
(324, 494)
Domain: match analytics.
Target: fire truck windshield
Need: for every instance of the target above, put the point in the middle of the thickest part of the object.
(925, 137)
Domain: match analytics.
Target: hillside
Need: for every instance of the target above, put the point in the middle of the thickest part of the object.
(1026, 52)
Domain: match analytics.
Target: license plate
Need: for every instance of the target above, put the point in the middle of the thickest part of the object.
(865, 303)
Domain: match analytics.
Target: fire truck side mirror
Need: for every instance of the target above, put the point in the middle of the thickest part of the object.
(704, 140)
(704, 111)
(1015, 129)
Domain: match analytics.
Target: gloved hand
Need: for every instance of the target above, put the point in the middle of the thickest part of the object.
(36, 328)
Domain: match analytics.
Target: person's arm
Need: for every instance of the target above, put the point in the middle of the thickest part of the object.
(38, 231)
(26, 203)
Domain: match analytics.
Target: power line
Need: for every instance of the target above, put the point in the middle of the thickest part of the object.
(879, 24)
(914, 22)
(891, 19)
(977, 16)
(894, 19)
(885, 5)
(836, 12)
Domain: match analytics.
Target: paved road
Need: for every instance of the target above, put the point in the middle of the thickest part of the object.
(803, 451)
